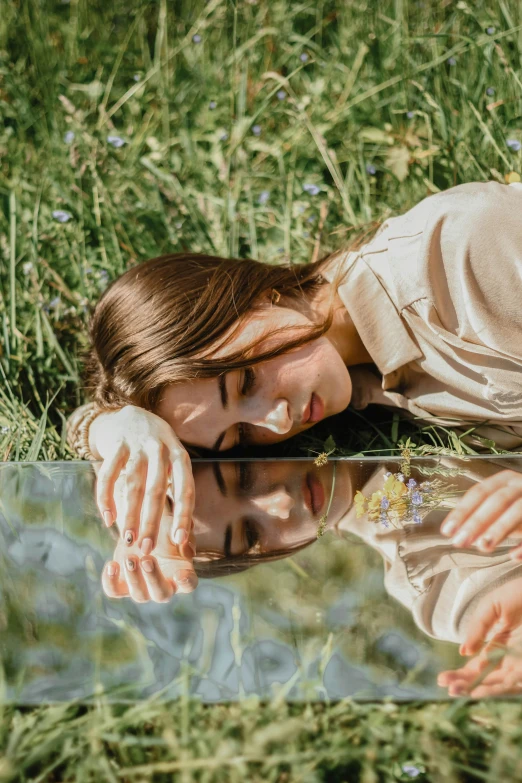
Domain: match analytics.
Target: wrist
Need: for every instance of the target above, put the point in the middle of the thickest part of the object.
(96, 427)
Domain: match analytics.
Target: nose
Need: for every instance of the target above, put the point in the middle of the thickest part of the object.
(276, 504)
(277, 418)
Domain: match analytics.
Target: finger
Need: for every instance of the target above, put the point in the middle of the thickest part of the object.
(112, 585)
(475, 496)
(481, 624)
(188, 549)
(136, 476)
(509, 520)
(105, 482)
(184, 494)
(504, 684)
(136, 583)
(485, 515)
(153, 499)
(160, 588)
(183, 574)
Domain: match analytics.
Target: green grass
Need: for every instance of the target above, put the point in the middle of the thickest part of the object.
(178, 183)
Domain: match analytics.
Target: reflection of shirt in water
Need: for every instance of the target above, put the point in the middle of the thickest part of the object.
(435, 297)
(440, 584)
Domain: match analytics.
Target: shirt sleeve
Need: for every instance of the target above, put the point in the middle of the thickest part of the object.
(73, 425)
(474, 264)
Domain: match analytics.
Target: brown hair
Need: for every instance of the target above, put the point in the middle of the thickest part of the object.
(210, 565)
(159, 322)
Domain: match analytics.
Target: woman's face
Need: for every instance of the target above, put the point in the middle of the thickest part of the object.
(264, 507)
(273, 401)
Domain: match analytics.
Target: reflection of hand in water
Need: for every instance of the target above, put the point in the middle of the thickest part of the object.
(497, 668)
(153, 577)
(488, 513)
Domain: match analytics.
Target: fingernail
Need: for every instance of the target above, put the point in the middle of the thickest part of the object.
(131, 565)
(484, 544)
(460, 539)
(185, 577)
(146, 546)
(448, 527)
(111, 569)
(147, 566)
(180, 536)
(129, 537)
(108, 518)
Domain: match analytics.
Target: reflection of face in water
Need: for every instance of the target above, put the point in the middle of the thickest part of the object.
(253, 508)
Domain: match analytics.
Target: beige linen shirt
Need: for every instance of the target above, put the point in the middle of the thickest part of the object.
(436, 297)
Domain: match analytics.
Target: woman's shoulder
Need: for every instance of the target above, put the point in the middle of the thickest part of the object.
(471, 205)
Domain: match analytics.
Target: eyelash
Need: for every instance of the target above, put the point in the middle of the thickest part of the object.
(251, 534)
(250, 380)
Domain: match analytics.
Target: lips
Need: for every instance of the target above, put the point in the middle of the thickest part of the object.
(314, 411)
(313, 493)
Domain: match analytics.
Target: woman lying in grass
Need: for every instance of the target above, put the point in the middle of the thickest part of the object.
(192, 351)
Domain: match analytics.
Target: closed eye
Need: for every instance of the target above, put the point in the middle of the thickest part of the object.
(251, 532)
(249, 381)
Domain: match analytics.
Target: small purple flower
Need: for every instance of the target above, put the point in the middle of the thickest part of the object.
(411, 770)
(55, 302)
(303, 57)
(312, 189)
(385, 503)
(416, 498)
(68, 137)
(116, 141)
(417, 518)
(196, 38)
(490, 91)
(306, 234)
(61, 216)
(263, 197)
(451, 61)
(490, 30)
(104, 275)
(370, 169)
(411, 483)
(410, 114)
(514, 144)
(178, 225)
(387, 474)
(224, 136)
(385, 522)
(400, 476)
(212, 105)
(136, 77)
(256, 130)
(281, 95)
(310, 219)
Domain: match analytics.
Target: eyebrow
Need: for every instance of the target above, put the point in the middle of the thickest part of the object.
(222, 384)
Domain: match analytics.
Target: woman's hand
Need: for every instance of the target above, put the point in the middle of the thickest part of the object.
(147, 448)
(496, 668)
(152, 578)
(488, 513)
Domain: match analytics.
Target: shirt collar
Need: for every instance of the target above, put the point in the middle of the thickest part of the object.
(373, 313)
